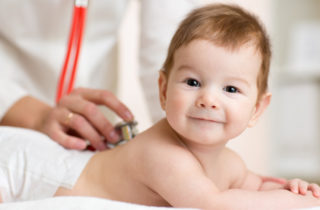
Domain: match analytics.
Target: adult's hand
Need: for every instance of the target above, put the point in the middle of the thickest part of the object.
(73, 120)
(78, 112)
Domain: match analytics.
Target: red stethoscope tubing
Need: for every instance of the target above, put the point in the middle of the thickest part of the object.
(73, 51)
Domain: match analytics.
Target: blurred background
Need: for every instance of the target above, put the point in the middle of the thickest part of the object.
(286, 141)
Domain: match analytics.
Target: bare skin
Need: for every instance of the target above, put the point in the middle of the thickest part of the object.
(116, 174)
(157, 169)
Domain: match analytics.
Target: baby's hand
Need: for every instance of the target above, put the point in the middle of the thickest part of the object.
(302, 187)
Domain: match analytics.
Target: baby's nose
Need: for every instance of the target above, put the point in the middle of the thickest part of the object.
(207, 101)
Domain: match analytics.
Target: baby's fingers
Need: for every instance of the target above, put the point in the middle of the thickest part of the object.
(315, 190)
(298, 186)
(293, 185)
(303, 187)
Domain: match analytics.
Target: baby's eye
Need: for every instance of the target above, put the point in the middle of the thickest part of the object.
(193, 83)
(231, 89)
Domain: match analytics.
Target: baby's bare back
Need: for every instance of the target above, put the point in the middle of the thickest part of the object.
(118, 174)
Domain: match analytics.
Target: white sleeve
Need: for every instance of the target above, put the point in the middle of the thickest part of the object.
(31, 49)
(9, 94)
(159, 21)
(10, 86)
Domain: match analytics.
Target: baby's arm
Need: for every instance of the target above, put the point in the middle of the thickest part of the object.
(302, 187)
(182, 182)
(297, 186)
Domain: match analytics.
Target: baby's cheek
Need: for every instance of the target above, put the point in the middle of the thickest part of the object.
(237, 122)
(175, 107)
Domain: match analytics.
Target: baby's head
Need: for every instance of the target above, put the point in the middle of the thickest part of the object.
(227, 26)
(213, 84)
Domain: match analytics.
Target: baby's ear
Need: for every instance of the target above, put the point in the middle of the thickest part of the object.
(162, 83)
(261, 106)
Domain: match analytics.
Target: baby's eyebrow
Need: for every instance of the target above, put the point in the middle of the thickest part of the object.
(239, 79)
(184, 67)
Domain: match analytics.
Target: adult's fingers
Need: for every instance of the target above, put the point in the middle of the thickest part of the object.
(104, 97)
(83, 127)
(95, 117)
(70, 142)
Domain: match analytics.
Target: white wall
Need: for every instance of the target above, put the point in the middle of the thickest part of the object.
(296, 76)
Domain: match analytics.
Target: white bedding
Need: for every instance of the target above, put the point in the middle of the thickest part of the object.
(76, 203)
(83, 203)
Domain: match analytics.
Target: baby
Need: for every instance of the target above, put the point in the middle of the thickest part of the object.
(213, 86)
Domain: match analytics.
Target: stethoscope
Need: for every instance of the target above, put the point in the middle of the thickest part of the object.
(74, 44)
(127, 129)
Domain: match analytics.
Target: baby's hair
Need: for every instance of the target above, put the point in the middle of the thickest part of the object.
(227, 26)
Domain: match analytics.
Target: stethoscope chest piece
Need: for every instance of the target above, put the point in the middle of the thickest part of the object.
(127, 130)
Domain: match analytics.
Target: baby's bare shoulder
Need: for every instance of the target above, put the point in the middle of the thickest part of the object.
(159, 143)
(231, 156)
(158, 153)
(234, 166)
(232, 159)
(162, 151)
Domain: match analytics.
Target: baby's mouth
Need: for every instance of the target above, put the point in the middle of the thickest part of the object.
(205, 119)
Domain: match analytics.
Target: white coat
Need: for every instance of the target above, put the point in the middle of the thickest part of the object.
(34, 34)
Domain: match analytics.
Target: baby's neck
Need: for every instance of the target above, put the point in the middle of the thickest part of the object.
(206, 154)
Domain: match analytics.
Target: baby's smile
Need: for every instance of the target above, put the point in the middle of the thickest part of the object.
(207, 123)
(204, 119)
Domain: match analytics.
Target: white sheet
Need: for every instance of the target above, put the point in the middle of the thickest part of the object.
(84, 203)
(77, 203)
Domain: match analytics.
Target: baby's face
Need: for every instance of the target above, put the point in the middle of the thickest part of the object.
(211, 92)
